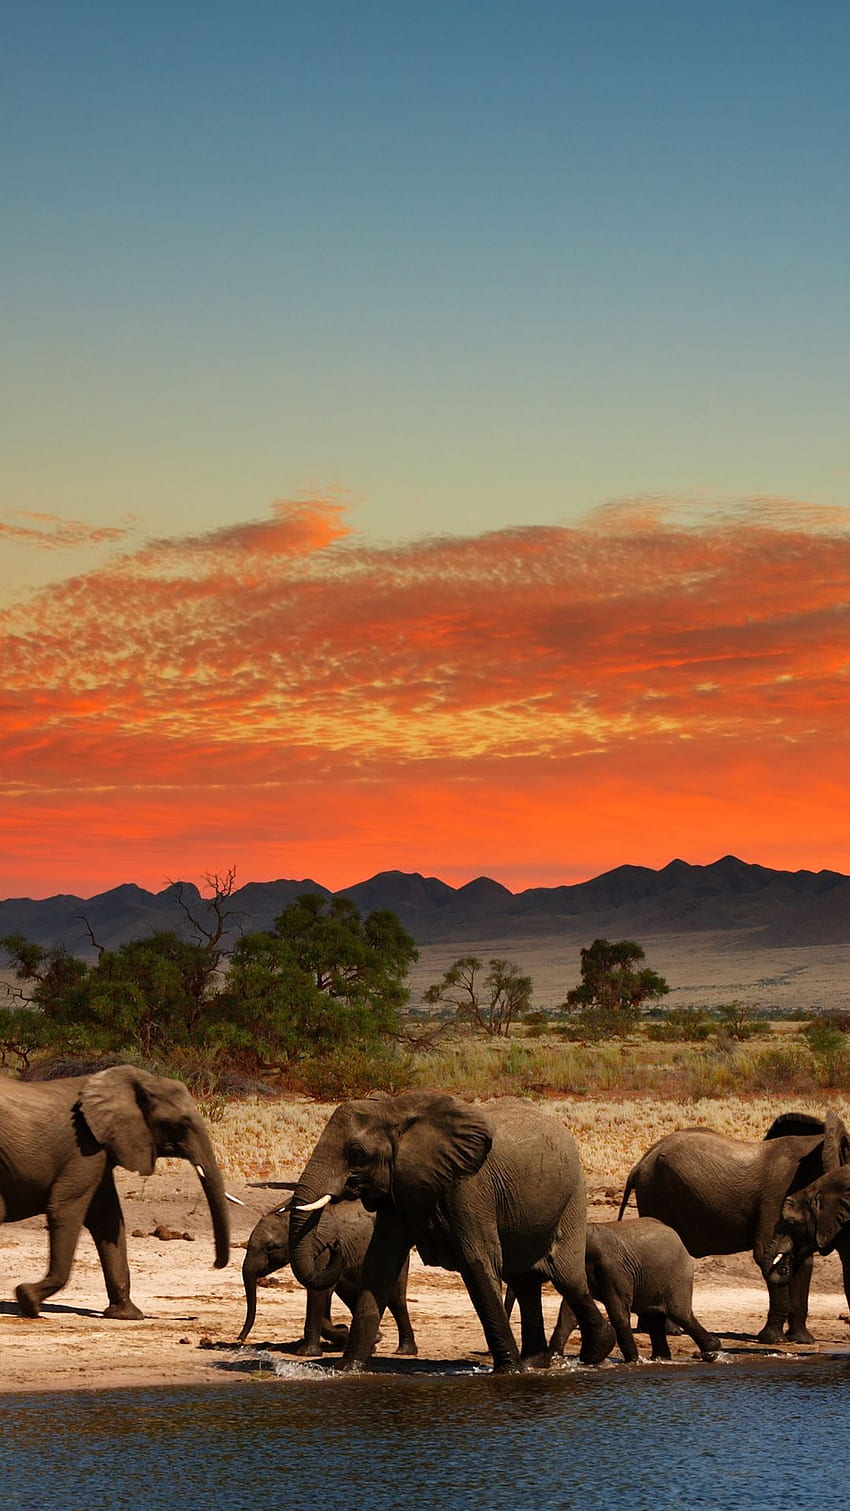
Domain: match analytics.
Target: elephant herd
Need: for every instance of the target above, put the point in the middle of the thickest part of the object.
(497, 1195)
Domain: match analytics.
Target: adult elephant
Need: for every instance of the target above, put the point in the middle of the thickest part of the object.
(816, 1219)
(724, 1195)
(59, 1143)
(497, 1196)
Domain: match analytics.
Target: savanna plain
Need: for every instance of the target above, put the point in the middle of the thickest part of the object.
(617, 1098)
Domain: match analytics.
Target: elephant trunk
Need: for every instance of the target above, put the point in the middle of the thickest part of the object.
(316, 1263)
(199, 1150)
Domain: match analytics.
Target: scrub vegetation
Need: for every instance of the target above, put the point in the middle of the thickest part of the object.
(318, 1006)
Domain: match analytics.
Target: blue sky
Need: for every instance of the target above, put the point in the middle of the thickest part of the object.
(462, 264)
(425, 438)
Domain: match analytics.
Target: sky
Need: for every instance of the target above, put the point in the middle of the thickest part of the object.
(425, 440)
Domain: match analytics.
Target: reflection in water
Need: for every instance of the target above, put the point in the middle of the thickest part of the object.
(750, 1435)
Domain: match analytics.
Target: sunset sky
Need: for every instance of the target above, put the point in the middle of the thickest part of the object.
(425, 440)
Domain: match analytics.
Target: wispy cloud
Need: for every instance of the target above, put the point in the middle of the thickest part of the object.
(52, 532)
(542, 701)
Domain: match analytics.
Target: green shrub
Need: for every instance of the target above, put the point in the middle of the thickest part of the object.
(681, 1025)
(785, 1068)
(823, 1036)
(353, 1072)
(593, 1024)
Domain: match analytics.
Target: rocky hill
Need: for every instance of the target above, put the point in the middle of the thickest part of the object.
(774, 908)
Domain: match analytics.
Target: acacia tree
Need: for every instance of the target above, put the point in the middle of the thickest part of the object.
(322, 977)
(492, 1003)
(611, 985)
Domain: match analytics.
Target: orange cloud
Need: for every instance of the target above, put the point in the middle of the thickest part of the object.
(52, 532)
(538, 703)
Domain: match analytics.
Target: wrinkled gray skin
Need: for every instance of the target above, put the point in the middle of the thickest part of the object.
(59, 1143)
(817, 1218)
(724, 1195)
(495, 1195)
(347, 1227)
(640, 1266)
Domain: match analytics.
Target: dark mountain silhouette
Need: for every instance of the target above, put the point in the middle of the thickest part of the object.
(773, 908)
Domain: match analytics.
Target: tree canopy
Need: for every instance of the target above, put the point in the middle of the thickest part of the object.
(322, 977)
(612, 987)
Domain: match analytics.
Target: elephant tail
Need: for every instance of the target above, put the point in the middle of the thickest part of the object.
(630, 1185)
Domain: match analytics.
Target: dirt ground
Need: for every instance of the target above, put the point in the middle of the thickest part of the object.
(193, 1312)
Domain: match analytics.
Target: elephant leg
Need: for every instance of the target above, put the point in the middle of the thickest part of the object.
(788, 1303)
(533, 1346)
(798, 1309)
(564, 1327)
(397, 1305)
(620, 1317)
(656, 1326)
(316, 1315)
(642, 1325)
(708, 1343)
(843, 1250)
(570, 1278)
(105, 1221)
(335, 1333)
(381, 1269)
(64, 1225)
(484, 1283)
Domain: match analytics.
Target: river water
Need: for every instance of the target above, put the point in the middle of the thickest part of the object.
(767, 1434)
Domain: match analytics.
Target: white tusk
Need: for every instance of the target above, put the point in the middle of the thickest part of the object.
(201, 1171)
(235, 1199)
(775, 1262)
(313, 1206)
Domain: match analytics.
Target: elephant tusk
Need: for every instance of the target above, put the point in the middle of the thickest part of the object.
(775, 1262)
(313, 1206)
(201, 1171)
(237, 1202)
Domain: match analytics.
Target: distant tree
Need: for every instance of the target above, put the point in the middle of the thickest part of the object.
(491, 1003)
(737, 1021)
(612, 987)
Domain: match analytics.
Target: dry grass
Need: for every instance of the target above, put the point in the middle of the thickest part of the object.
(257, 1140)
(774, 1063)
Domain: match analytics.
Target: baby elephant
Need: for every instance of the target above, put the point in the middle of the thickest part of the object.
(640, 1266)
(347, 1226)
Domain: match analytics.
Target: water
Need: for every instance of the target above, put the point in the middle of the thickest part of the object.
(770, 1434)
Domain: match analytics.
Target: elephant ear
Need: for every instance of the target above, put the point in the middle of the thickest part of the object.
(794, 1124)
(439, 1143)
(112, 1103)
(836, 1142)
(831, 1207)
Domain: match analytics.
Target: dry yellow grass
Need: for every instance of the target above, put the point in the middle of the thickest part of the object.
(260, 1140)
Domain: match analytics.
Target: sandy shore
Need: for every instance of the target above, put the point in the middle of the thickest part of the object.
(193, 1312)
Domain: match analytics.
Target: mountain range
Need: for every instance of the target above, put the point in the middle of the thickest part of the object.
(774, 908)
